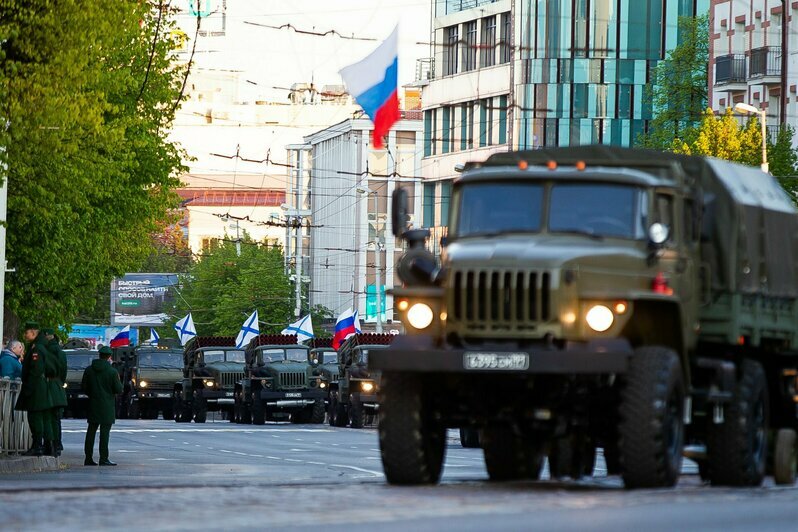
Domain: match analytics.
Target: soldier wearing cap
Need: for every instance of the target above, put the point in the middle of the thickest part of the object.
(55, 370)
(101, 383)
(34, 396)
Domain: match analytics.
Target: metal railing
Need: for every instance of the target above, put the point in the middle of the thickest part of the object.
(730, 69)
(15, 434)
(765, 61)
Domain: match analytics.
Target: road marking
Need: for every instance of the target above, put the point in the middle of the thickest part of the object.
(125, 451)
(299, 450)
(224, 451)
(240, 454)
(182, 430)
(273, 458)
(186, 443)
(256, 455)
(164, 459)
(292, 460)
(375, 473)
(315, 463)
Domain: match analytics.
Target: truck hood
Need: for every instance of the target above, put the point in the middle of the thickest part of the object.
(224, 367)
(276, 368)
(160, 375)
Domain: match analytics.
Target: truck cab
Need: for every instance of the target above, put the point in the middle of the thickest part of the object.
(324, 360)
(148, 374)
(79, 357)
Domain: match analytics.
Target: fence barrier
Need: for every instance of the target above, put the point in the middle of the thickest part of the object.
(15, 436)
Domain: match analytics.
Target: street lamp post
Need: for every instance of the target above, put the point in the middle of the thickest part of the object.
(745, 109)
(377, 257)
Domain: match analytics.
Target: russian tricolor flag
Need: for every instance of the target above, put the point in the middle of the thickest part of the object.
(374, 82)
(344, 327)
(122, 339)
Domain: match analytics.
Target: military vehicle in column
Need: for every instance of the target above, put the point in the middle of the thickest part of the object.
(598, 296)
(79, 357)
(279, 383)
(353, 401)
(212, 365)
(148, 374)
(324, 359)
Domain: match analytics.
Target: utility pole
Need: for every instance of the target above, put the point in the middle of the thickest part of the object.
(511, 93)
(377, 254)
(3, 218)
(785, 21)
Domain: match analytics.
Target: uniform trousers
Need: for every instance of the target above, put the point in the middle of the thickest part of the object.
(40, 422)
(105, 433)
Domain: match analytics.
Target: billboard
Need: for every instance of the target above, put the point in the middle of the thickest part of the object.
(97, 335)
(142, 298)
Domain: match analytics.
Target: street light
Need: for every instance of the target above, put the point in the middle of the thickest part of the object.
(744, 108)
(377, 258)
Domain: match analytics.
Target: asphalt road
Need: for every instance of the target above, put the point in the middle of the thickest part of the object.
(280, 476)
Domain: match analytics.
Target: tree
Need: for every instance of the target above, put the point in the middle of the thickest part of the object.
(724, 138)
(223, 288)
(89, 92)
(784, 161)
(678, 89)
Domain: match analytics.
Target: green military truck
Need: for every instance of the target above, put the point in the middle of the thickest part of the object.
(148, 374)
(353, 401)
(595, 296)
(279, 383)
(212, 365)
(324, 359)
(79, 357)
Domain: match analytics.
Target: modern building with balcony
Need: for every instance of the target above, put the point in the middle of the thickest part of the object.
(749, 60)
(523, 74)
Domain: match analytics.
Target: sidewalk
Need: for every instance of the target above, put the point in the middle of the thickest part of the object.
(28, 464)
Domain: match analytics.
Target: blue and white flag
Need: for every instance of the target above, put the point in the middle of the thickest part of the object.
(154, 337)
(357, 323)
(303, 329)
(248, 331)
(185, 329)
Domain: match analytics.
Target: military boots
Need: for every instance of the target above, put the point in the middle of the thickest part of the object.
(37, 449)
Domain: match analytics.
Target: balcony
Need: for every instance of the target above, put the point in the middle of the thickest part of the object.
(425, 69)
(766, 64)
(730, 71)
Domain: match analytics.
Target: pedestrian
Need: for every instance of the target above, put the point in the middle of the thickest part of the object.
(10, 363)
(34, 396)
(100, 383)
(55, 371)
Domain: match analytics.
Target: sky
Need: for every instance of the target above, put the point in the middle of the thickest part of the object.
(267, 58)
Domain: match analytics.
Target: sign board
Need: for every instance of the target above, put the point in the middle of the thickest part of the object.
(97, 335)
(142, 298)
(371, 303)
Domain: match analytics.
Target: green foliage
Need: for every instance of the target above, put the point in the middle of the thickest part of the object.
(91, 171)
(678, 88)
(724, 138)
(222, 289)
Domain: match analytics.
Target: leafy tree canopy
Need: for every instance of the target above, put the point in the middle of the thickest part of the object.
(88, 90)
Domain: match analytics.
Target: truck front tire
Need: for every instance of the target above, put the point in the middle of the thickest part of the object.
(411, 444)
(651, 430)
(508, 456)
(784, 458)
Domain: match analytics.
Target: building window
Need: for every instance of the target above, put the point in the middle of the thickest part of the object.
(470, 125)
(483, 123)
(446, 131)
(504, 49)
(446, 194)
(434, 135)
(470, 47)
(428, 133)
(487, 55)
(502, 119)
(452, 45)
(428, 205)
(209, 243)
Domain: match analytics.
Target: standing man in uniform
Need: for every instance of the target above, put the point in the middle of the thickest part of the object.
(34, 396)
(55, 370)
(101, 383)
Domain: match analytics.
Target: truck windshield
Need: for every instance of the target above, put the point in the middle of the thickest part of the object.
(221, 356)
(599, 209)
(296, 355)
(492, 208)
(328, 357)
(160, 359)
(277, 355)
(79, 361)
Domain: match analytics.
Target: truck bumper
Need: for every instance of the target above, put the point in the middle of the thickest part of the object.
(292, 399)
(219, 397)
(418, 354)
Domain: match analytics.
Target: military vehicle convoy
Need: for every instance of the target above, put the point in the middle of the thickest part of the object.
(212, 365)
(148, 375)
(79, 357)
(596, 296)
(324, 358)
(279, 383)
(353, 401)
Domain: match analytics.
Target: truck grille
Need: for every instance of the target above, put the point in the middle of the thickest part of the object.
(228, 379)
(293, 380)
(499, 300)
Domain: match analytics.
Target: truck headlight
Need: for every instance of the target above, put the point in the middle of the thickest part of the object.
(208, 383)
(599, 318)
(420, 315)
(143, 384)
(322, 384)
(366, 386)
(65, 385)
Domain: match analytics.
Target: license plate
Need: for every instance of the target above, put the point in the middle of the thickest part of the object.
(228, 394)
(496, 361)
(164, 395)
(293, 394)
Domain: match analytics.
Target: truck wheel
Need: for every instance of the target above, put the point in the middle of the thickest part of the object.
(338, 414)
(509, 456)
(737, 448)
(357, 417)
(651, 427)
(784, 457)
(200, 408)
(258, 413)
(317, 415)
(133, 409)
(573, 456)
(168, 413)
(469, 437)
(411, 444)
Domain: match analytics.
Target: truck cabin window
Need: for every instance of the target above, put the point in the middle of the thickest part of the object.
(486, 209)
(600, 209)
(156, 359)
(222, 356)
(296, 355)
(328, 357)
(80, 361)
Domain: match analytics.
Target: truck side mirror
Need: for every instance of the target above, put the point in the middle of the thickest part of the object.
(399, 217)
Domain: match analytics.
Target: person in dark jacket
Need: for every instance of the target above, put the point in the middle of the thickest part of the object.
(10, 365)
(34, 396)
(55, 370)
(100, 383)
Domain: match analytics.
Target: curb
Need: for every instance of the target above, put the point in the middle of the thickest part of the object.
(28, 464)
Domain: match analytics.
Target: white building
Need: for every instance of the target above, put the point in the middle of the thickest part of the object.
(346, 223)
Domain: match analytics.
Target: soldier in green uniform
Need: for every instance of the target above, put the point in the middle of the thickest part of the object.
(101, 383)
(34, 396)
(55, 370)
